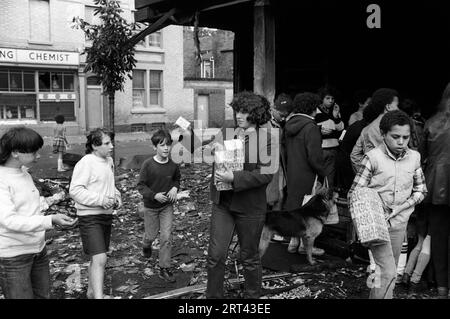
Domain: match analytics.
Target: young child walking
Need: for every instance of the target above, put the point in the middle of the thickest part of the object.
(159, 181)
(60, 141)
(95, 195)
(24, 264)
(394, 171)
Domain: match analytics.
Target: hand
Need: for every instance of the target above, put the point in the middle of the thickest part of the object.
(108, 202)
(226, 177)
(160, 197)
(395, 211)
(172, 194)
(63, 220)
(336, 111)
(118, 202)
(325, 130)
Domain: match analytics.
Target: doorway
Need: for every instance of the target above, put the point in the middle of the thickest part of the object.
(203, 110)
(94, 108)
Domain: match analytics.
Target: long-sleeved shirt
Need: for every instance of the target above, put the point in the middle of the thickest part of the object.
(398, 180)
(22, 225)
(92, 182)
(156, 178)
(336, 126)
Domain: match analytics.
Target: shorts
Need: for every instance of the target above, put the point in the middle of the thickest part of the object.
(95, 231)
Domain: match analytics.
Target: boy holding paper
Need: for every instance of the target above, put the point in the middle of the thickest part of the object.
(394, 171)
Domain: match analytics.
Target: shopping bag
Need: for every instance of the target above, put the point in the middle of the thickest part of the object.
(230, 157)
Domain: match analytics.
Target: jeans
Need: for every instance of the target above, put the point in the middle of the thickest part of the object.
(248, 227)
(159, 220)
(439, 217)
(26, 276)
(329, 157)
(386, 257)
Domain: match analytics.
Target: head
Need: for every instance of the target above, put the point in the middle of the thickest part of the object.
(100, 143)
(20, 145)
(282, 107)
(306, 103)
(362, 98)
(327, 96)
(395, 128)
(252, 110)
(384, 100)
(162, 143)
(59, 119)
(320, 204)
(408, 106)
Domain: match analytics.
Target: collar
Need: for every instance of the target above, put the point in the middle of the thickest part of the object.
(299, 114)
(389, 153)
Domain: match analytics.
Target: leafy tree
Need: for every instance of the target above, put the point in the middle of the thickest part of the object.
(110, 56)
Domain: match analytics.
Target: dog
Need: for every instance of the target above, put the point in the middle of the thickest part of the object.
(305, 222)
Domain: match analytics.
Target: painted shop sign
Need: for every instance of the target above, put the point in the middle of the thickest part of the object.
(38, 56)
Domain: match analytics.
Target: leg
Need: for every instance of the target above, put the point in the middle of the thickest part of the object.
(308, 242)
(249, 229)
(439, 216)
(165, 251)
(412, 260)
(221, 234)
(422, 261)
(151, 229)
(40, 275)
(15, 277)
(266, 235)
(96, 275)
(293, 244)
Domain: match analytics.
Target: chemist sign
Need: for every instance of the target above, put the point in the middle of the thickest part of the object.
(38, 57)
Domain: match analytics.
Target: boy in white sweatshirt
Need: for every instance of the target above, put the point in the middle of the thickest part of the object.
(24, 264)
(95, 195)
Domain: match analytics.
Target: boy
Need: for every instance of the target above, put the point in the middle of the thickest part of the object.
(95, 195)
(394, 171)
(159, 181)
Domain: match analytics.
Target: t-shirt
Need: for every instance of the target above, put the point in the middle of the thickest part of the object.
(156, 178)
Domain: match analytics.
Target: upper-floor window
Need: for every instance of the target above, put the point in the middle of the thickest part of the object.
(207, 68)
(39, 20)
(90, 17)
(147, 88)
(17, 81)
(152, 40)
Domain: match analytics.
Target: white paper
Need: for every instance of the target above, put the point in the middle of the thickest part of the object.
(183, 123)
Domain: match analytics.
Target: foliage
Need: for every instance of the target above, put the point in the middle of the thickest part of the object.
(110, 56)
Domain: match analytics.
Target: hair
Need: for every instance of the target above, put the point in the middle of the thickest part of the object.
(361, 96)
(382, 97)
(59, 119)
(408, 106)
(305, 103)
(95, 138)
(327, 90)
(160, 136)
(283, 102)
(257, 107)
(19, 139)
(392, 118)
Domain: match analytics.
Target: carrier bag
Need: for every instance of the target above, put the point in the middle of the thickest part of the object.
(230, 157)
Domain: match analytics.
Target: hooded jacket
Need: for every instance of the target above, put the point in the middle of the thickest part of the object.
(304, 157)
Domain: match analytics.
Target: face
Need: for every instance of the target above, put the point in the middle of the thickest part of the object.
(242, 121)
(393, 105)
(397, 138)
(328, 101)
(26, 159)
(105, 149)
(279, 116)
(162, 149)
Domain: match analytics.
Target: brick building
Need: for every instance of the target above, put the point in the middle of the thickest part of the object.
(42, 71)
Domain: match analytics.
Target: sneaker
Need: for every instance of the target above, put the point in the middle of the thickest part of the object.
(315, 251)
(147, 252)
(406, 279)
(167, 275)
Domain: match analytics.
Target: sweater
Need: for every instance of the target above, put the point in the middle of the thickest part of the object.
(92, 182)
(22, 225)
(156, 178)
(335, 124)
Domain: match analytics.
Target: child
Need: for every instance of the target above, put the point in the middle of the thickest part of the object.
(95, 195)
(159, 181)
(24, 264)
(394, 171)
(60, 141)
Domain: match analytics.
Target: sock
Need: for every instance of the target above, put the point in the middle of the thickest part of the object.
(422, 261)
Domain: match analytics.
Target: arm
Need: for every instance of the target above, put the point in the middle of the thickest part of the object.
(419, 190)
(143, 182)
(314, 153)
(78, 187)
(357, 153)
(363, 176)
(10, 220)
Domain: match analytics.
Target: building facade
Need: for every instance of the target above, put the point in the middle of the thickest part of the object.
(42, 71)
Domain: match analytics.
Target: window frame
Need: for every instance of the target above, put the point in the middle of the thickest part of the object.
(148, 89)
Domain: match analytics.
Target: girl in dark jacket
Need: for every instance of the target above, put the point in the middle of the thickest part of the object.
(436, 153)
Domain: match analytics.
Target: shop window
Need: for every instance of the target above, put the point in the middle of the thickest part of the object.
(139, 89)
(68, 82)
(44, 81)
(48, 110)
(39, 21)
(16, 81)
(155, 87)
(56, 82)
(14, 107)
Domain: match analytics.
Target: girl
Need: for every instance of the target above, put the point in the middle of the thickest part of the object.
(60, 141)
(24, 265)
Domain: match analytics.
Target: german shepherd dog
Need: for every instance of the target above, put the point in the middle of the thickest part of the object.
(305, 222)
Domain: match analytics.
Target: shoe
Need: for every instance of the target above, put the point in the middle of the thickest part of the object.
(442, 292)
(415, 288)
(406, 279)
(147, 252)
(167, 275)
(315, 251)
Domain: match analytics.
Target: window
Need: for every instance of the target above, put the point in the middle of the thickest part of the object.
(147, 88)
(39, 21)
(14, 107)
(55, 81)
(90, 17)
(207, 68)
(139, 89)
(16, 81)
(152, 40)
